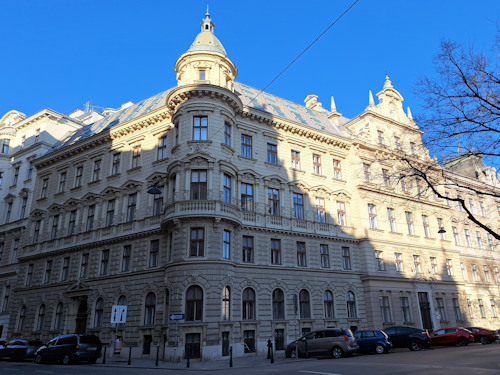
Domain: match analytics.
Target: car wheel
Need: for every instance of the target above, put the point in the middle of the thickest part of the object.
(462, 341)
(39, 358)
(337, 352)
(484, 340)
(293, 354)
(379, 349)
(66, 359)
(416, 345)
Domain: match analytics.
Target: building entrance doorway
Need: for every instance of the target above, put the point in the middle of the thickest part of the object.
(81, 317)
(425, 310)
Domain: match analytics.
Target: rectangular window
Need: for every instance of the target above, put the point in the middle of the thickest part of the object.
(301, 254)
(481, 308)
(45, 187)
(24, 203)
(30, 171)
(36, 231)
(482, 208)
(202, 74)
(65, 269)
(449, 267)
(16, 175)
(441, 309)
(296, 159)
(413, 148)
(96, 172)
(320, 210)
(246, 146)
(346, 258)
(8, 213)
(90, 218)
(198, 184)
(78, 176)
(126, 256)
(397, 143)
(157, 204)
(456, 236)
(6, 296)
(13, 255)
(37, 135)
(385, 309)
(316, 164)
(110, 212)
(273, 196)
(475, 273)
(405, 309)
(497, 274)
(416, 263)
(380, 137)
(62, 182)
(325, 256)
(55, 226)
(486, 271)
(386, 178)
(402, 181)
(425, 222)
(456, 308)
(464, 272)
(154, 253)
(379, 260)
(227, 134)
(136, 156)
(131, 207)
(493, 308)
(409, 222)
(418, 183)
(372, 216)
(84, 266)
(392, 219)
(491, 244)
(1, 178)
(468, 240)
(5, 146)
(337, 170)
(246, 197)
(399, 262)
(448, 202)
(272, 153)
(459, 204)
(469, 305)
(197, 242)
(275, 251)
(104, 262)
(29, 274)
(298, 206)
(1, 250)
(162, 148)
(472, 206)
(226, 244)
(247, 249)
(367, 173)
(115, 164)
(479, 240)
(441, 228)
(226, 188)
(434, 267)
(71, 222)
(200, 128)
(48, 272)
(341, 215)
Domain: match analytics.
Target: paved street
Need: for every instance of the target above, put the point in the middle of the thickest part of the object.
(471, 360)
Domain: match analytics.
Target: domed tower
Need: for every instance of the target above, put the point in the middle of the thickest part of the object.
(206, 61)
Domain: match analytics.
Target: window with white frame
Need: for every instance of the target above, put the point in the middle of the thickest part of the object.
(346, 258)
(385, 309)
(434, 267)
(62, 182)
(405, 309)
(409, 222)
(468, 240)
(272, 153)
(325, 256)
(399, 262)
(366, 172)
(441, 309)
(479, 240)
(320, 210)
(449, 267)
(464, 271)
(115, 164)
(96, 172)
(295, 159)
(372, 216)
(227, 134)
(316, 164)
(337, 170)
(226, 244)
(379, 260)
(486, 271)
(457, 310)
(301, 254)
(162, 148)
(391, 217)
(226, 188)
(475, 273)
(481, 308)
(456, 236)
(416, 264)
(425, 222)
(441, 228)
(341, 215)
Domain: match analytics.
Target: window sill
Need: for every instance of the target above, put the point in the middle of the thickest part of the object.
(273, 164)
(94, 182)
(319, 175)
(227, 147)
(75, 188)
(113, 176)
(301, 171)
(247, 158)
(160, 161)
(135, 169)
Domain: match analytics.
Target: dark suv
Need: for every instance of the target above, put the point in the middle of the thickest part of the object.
(330, 341)
(70, 348)
(408, 337)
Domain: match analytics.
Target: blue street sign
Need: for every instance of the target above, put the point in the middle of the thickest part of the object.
(176, 316)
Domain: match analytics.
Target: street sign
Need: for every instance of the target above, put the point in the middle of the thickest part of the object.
(119, 314)
(176, 316)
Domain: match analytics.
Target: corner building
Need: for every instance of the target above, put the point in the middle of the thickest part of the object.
(250, 215)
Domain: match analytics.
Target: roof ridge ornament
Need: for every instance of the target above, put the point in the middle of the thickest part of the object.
(387, 83)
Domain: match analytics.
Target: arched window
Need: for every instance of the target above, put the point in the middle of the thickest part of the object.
(305, 304)
(248, 300)
(194, 303)
(122, 300)
(22, 318)
(41, 318)
(58, 322)
(278, 304)
(226, 303)
(351, 304)
(99, 308)
(328, 304)
(149, 309)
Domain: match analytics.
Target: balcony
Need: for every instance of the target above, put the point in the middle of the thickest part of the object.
(203, 208)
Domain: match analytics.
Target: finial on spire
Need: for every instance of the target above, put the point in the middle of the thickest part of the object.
(388, 83)
(333, 108)
(371, 102)
(207, 14)
(410, 117)
(206, 23)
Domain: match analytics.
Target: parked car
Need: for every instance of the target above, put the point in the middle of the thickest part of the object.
(328, 342)
(370, 341)
(70, 348)
(483, 335)
(408, 337)
(452, 336)
(19, 349)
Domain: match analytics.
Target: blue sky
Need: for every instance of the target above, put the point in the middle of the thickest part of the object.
(61, 53)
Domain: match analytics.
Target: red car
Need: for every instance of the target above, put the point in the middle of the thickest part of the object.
(483, 335)
(452, 336)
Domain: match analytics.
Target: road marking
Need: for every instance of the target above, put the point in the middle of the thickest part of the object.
(320, 373)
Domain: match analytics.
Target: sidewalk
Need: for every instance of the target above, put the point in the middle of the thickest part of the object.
(240, 362)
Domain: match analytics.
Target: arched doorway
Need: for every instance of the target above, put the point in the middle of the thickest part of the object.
(81, 317)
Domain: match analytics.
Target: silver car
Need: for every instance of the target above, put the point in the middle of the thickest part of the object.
(325, 342)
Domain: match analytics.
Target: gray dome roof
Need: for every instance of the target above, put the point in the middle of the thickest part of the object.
(206, 39)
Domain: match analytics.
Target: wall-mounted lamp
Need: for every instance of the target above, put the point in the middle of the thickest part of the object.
(441, 230)
(154, 190)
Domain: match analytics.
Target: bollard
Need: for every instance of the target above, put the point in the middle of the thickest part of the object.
(129, 356)
(104, 356)
(230, 356)
(157, 354)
